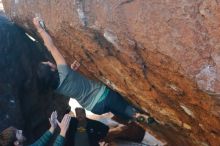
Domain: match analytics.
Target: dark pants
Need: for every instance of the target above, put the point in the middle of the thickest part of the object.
(115, 104)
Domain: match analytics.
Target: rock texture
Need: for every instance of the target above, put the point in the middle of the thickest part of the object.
(22, 105)
(163, 55)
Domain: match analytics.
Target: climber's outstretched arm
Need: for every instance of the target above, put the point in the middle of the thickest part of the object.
(48, 42)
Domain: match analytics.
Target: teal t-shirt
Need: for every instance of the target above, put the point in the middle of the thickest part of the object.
(72, 84)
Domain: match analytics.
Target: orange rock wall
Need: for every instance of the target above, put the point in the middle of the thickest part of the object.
(163, 55)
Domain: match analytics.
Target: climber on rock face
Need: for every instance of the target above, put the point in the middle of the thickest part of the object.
(92, 95)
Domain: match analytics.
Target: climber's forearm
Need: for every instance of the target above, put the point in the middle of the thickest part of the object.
(48, 42)
(58, 57)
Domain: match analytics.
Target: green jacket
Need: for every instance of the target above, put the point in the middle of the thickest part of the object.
(43, 140)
